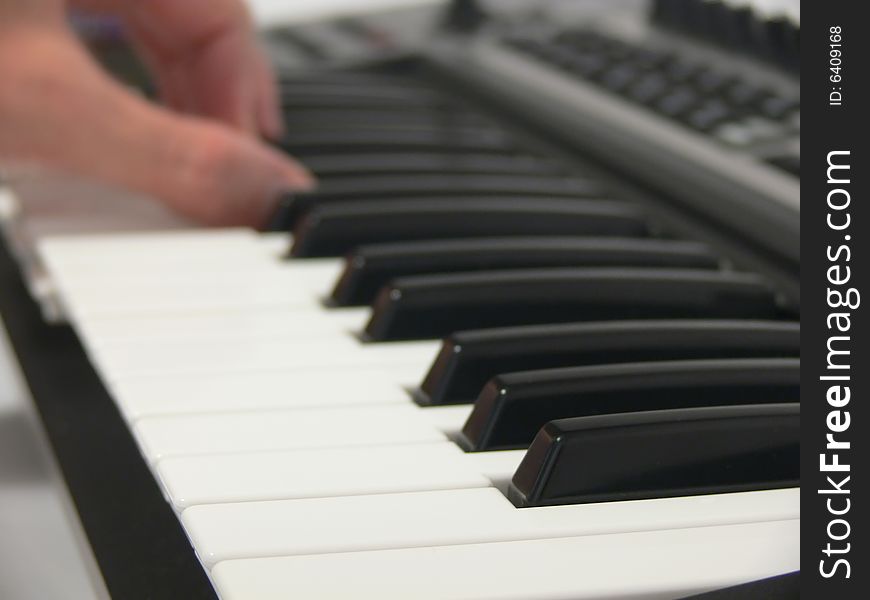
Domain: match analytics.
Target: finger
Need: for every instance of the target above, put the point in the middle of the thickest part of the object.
(213, 44)
(171, 83)
(270, 118)
(221, 177)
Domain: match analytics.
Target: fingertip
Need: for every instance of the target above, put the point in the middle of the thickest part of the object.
(301, 178)
(296, 176)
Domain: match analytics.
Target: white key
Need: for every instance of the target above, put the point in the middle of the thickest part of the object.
(655, 564)
(198, 333)
(437, 518)
(258, 390)
(112, 273)
(102, 257)
(161, 437)
(148, 246)
(338, 350)
(256, 285)
(253, 264)
(223, 325)
(269, 284)
(326, 472)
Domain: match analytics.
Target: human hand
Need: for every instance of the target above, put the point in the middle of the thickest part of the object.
(199, 155)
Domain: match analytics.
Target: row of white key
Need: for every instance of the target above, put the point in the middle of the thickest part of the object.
(662, 565)
(298, 439)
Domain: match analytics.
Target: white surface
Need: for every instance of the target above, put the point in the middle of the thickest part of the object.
(255, 431)
(327, 472)
(438, 518)
(312, 388)
(660, 564)
(41, 553)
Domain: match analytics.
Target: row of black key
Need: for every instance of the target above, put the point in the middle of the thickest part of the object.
(543, 271)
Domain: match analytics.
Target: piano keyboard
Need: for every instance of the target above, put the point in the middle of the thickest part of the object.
(461, 368)
(302, 457)
(535, 335)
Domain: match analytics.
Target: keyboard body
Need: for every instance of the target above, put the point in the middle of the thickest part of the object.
(229, 429)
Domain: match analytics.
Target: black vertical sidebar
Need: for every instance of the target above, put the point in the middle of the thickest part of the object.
(835, 225)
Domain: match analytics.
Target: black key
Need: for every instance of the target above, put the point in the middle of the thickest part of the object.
(342, 142)
(321, 119)
(512, 407)
(355, 165)
(345, 78)
(661, 454)
(423, 186)
(336, 229)
(358, 97)
(469, 359)
(396, 127)
(433, 306)
(369, 268)
(299, 43)
(405, 92)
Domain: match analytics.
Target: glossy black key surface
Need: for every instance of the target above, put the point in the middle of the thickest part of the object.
(395, 128)
(342, 78)
(419, 163)
(371, 267)
(512, 407)
(404, 93)
(337, 228)
(633, 456)
(320, 119)
(433, 306)
(357, 98)
(342, 142)
(421, 186)
(468, 359)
